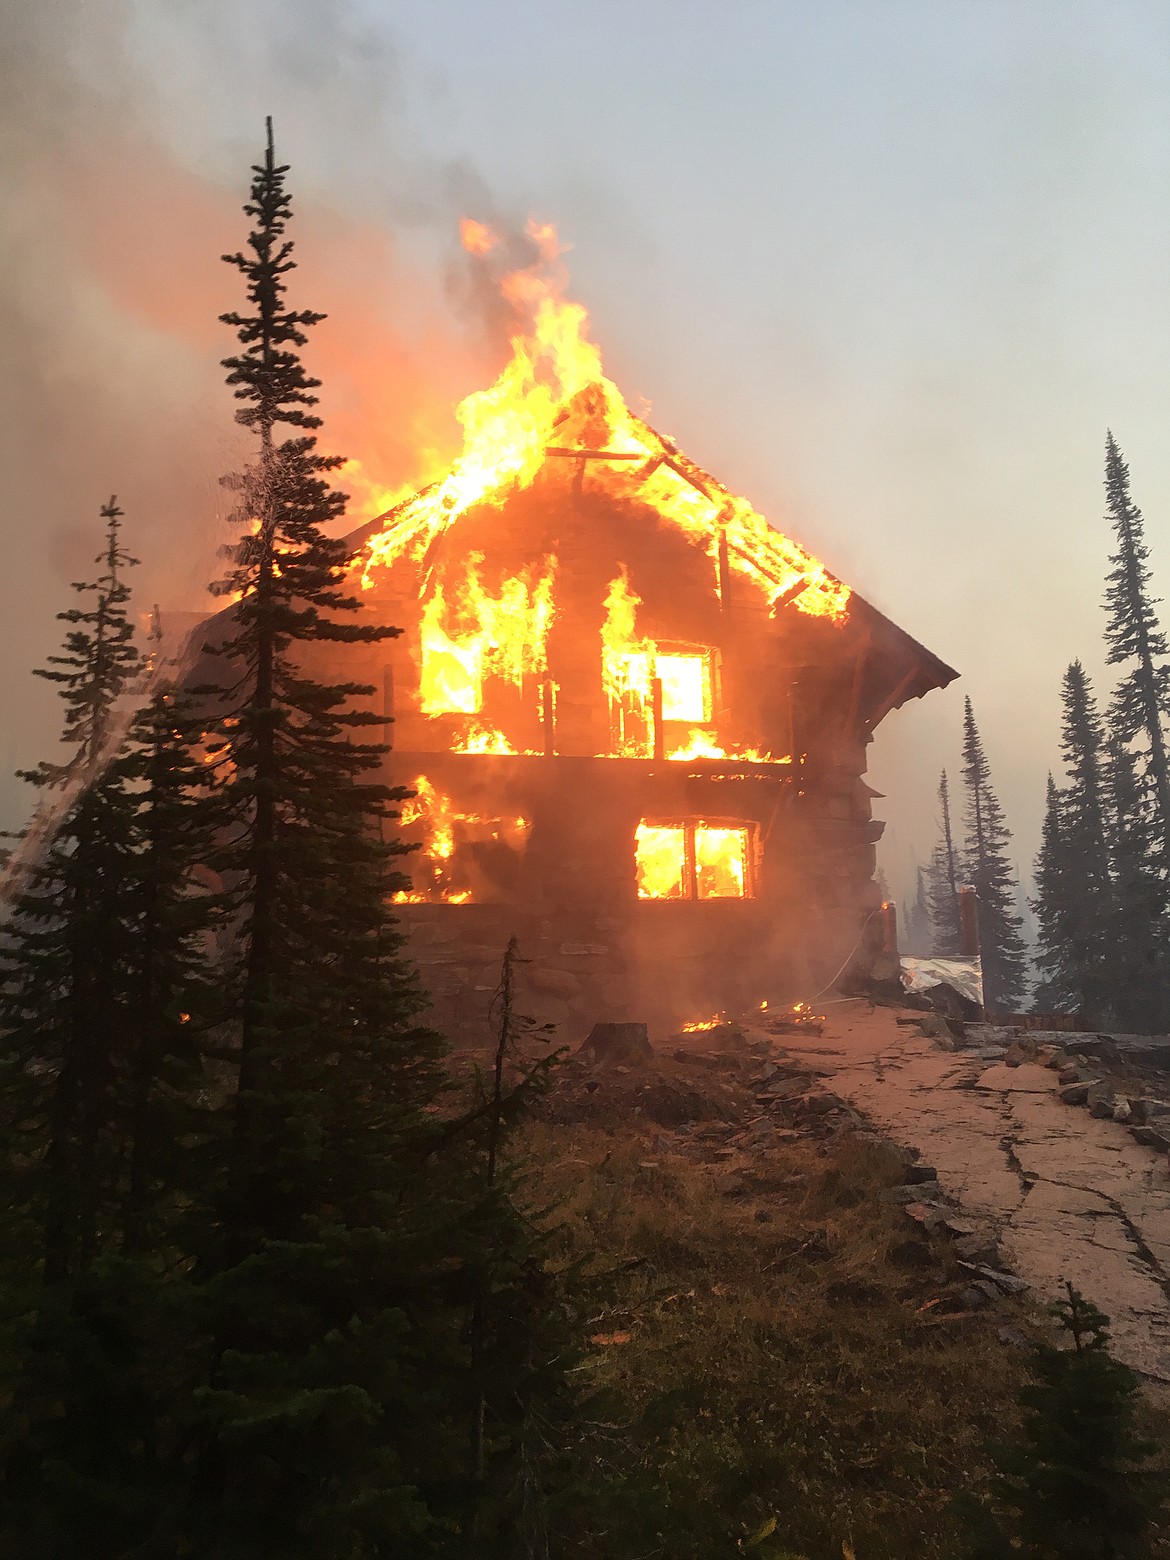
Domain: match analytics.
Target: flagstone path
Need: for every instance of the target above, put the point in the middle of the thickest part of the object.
(1068, 1196)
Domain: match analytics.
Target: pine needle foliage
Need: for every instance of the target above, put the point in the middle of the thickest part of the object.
(942, 883)
(65, 947)
(1077, 1483)
(988, 869)
(354, 1222)
(1137, 644)
(1074, 901)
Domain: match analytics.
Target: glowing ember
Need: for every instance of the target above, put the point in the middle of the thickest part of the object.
(701, 1025)
(800, 1016)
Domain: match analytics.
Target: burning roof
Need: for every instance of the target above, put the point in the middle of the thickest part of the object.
(552, 403)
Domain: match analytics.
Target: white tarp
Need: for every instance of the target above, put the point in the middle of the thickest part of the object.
(965, 975)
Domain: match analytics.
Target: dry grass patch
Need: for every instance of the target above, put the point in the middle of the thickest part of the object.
(764, 1337)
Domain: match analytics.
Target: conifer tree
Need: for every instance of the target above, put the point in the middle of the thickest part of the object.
(942, 883)
(1057, 990)
(1074, 902)
(987, 867)
(1138, 931)
(1137, 644)
(173, 994)
(1076, 1484)
(338, 1274)
(917, 919)
(64, 949)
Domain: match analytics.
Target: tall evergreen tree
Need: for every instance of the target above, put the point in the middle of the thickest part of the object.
(65, 949)
(942, 883)
(1138, 932)
(917, 919)
(987, 867)
(1074, 902)
(338, 1275)
(1057, 990)
(1137, 644)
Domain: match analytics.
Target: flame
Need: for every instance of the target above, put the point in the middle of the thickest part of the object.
(660, 856)
(626, 671)
(508, 427)
(444, 827)
(476, 237)
(504, 636)
(692, 861)
(701, 1025)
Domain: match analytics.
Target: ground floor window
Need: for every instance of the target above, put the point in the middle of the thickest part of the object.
(694, 859)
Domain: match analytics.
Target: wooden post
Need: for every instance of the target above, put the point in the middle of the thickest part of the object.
(968, 921)
(656, 717)
(724, 574)
(890, 928)
(548, 716)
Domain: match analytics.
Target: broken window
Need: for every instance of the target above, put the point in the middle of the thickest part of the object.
(693, 860)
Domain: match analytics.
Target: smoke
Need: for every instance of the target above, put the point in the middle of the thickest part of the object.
(127, 131)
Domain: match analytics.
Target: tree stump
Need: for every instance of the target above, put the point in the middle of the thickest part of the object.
(627, 1044)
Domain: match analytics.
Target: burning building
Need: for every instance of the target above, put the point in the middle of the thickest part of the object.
(634, 716)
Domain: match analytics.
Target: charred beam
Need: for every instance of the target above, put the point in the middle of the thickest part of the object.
(582, 454)
(797, 588)
(724, 573)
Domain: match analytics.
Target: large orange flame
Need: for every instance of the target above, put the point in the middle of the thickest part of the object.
(508, 428)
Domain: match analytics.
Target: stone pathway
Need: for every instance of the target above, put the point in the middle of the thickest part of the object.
(1068, 1196)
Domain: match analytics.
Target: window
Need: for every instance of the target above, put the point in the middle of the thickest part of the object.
(694, 860)
(686, 686)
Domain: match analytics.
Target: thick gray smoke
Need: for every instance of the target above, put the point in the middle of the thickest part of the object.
(126, 135)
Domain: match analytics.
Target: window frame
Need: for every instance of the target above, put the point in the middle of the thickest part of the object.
(688, 825)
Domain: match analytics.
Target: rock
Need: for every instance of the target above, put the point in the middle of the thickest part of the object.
(979, 1295)
(821, 1104)
(928, 1215)
(959, 1226)
(1069, 1073)
(1075, 1094)
(1151, 1137)
(1122, 1112)
(915, 1175)
(977, 1249)
(729, 1184)
(1102, 1110)
(1007, 1282)
(1019, 1051)
(931, 1191)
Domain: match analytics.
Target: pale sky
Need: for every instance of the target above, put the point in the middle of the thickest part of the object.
(890, 269)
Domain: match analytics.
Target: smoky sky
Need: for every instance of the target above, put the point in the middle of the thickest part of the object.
(889, 270)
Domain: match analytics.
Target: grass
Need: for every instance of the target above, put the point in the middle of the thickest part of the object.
(783, 1354)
